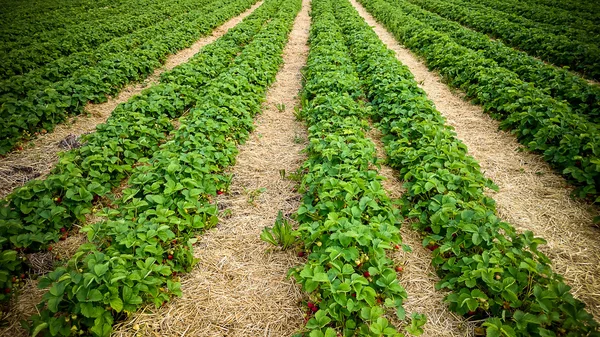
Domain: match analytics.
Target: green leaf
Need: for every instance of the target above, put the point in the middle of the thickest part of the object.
(39, 328)
(116, 303)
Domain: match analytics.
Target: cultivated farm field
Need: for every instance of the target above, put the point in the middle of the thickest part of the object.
(305, 168)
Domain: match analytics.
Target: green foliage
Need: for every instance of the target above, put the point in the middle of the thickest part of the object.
(347, 223)
(133, 257)
(32, 216)
(567, 140)
(491, 270)
(42, 98)
(583, 97)
(40, 40)
(282, 234)
(535, 39)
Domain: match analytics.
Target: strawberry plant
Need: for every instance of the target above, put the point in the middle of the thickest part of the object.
(132, 257)
(583, 97)
(32, 102)
(566, 140)
(35, 215)
(33, 49)
(346, 220)
(535, 40)
(494, 273)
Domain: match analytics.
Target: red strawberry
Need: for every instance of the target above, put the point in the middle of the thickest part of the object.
(63, 230)
(22, 276)
(6, 290)
(300, 254)
(170, 257)
(471, 313)
(432, 247)
(49, 248)
(366, 274)
(310, 305)
(219, 192)
(399, 269)
(314, 309)
(396, 247)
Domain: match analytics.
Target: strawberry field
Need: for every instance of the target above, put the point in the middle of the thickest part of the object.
(310, 169)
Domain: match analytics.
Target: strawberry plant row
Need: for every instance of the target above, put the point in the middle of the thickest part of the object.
(24, 11)
(41, 212)
(579, 8)
(559, 50)
(494, 273)
(134, 257)
(346, 220)
(32, 51)
(576, 34)
(567, 141)
(583, 97)
(34, 103)
(544, 14)
(44, 11)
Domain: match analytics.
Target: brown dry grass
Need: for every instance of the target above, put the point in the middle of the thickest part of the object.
(239, 287)
(41, 154)
(532, 196)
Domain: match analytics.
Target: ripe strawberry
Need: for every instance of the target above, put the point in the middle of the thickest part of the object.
(396, 247)
(300, 254)
(63, 230)
(19, 148)
(310, 305)
(22, 276)
(170, 257)
(314, 309)
(58, 199)
(366, 274)
(219, 192)
(471, 313)
(399, 269)
(6, 290)
(49, 248)
(432, 247)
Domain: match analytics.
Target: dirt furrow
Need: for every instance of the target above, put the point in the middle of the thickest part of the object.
(239, 288)
(39, 156)
(532, 196)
